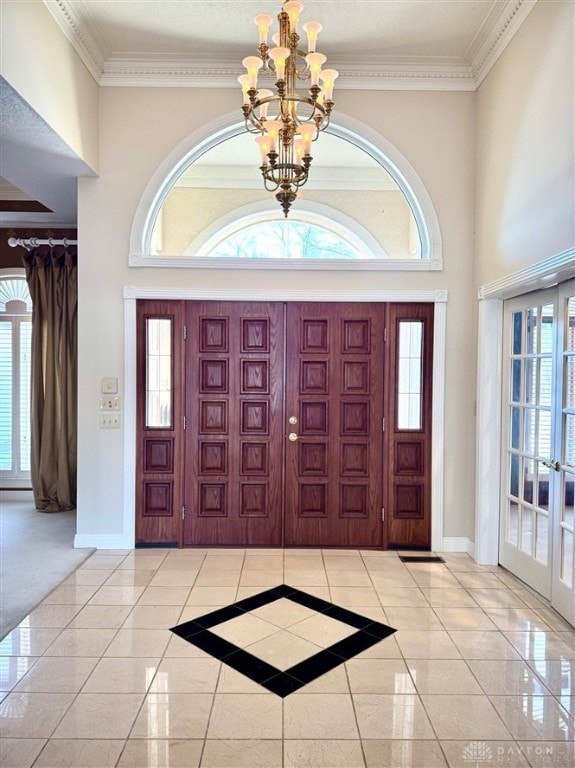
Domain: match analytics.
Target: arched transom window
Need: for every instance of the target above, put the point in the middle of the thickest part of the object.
(358, 209)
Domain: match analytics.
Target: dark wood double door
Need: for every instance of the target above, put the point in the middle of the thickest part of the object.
(281, 440)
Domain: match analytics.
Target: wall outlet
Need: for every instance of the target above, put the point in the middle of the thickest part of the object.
(109, 421)
(110, 403)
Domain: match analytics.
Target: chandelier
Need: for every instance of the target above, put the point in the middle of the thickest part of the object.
(285, 138)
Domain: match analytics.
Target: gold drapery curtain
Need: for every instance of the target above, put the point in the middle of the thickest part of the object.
(51, 272)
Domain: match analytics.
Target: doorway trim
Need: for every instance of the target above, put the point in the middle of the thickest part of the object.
(132, 293)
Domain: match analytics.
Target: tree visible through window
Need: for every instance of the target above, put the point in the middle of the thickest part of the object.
(15, 357)
(284, 240)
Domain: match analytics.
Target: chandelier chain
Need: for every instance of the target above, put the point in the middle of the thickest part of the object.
(285, 139)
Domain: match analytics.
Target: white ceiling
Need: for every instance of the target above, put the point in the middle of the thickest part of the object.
(361, 30)
(390, 44)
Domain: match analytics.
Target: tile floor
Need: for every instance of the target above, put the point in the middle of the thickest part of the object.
(479, 671)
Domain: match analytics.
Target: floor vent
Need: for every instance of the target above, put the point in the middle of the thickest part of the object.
(421, 559)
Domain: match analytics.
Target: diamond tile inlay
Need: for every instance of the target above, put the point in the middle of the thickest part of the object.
(201, 632)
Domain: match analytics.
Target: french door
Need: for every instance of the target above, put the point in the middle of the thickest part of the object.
(271, 424)
(537, 540)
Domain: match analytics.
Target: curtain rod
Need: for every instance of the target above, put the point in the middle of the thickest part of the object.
(34, 242)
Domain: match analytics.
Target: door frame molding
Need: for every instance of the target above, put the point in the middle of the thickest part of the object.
(132, 293)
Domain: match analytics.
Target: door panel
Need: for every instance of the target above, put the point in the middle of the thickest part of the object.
(334, 412)
(234, 409)
(159, 448)
(408, 419)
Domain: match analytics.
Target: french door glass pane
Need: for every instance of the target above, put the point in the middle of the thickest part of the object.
(570, 340)
(530, 431)
(532, 331)
(513, 523)
(569, 440)
(514, 475)
(545, 380)
(517, 328)
(567, 505)
(570, 382)
(544, 436)
(547, 329)
(541, 538)
(567, 557)
(516, 381)
(531, 381)
(527, 529)
(542, 500)
(515, 430)
(528, 480)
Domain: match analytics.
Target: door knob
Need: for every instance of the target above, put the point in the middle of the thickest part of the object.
(551, 464)
(292, 436)
(292, 419)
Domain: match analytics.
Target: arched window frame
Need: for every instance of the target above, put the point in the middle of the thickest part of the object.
(226, 127)
(308, 212)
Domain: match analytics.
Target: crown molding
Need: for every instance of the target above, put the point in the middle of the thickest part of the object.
(152, 72)
(86, 41)
(465, 74)
(391, 75)
(502, 23)
(543, 274)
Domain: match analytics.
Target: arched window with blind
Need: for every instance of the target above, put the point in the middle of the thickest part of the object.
(15, 357)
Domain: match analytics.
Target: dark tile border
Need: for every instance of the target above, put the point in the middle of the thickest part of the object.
(421, 559)
(197, 632)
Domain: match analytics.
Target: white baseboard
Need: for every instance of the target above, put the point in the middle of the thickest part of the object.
(14, 494)
(458, 544)
(103, 541)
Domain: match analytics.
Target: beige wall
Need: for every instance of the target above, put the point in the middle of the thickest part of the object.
(525, 143)
(139, 128)
(43, 67)
(384, 214)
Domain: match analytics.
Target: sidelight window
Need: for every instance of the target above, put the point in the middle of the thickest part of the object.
(159, 372)
(409, 379)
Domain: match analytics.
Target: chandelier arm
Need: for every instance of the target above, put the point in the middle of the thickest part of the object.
(257, 129)
(272, 186)
(316, 106)
(296, 97)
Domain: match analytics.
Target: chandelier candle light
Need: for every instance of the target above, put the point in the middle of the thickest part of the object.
(285, 139)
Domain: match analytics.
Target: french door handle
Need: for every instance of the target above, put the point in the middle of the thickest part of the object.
(551, 464)
(293, 437)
